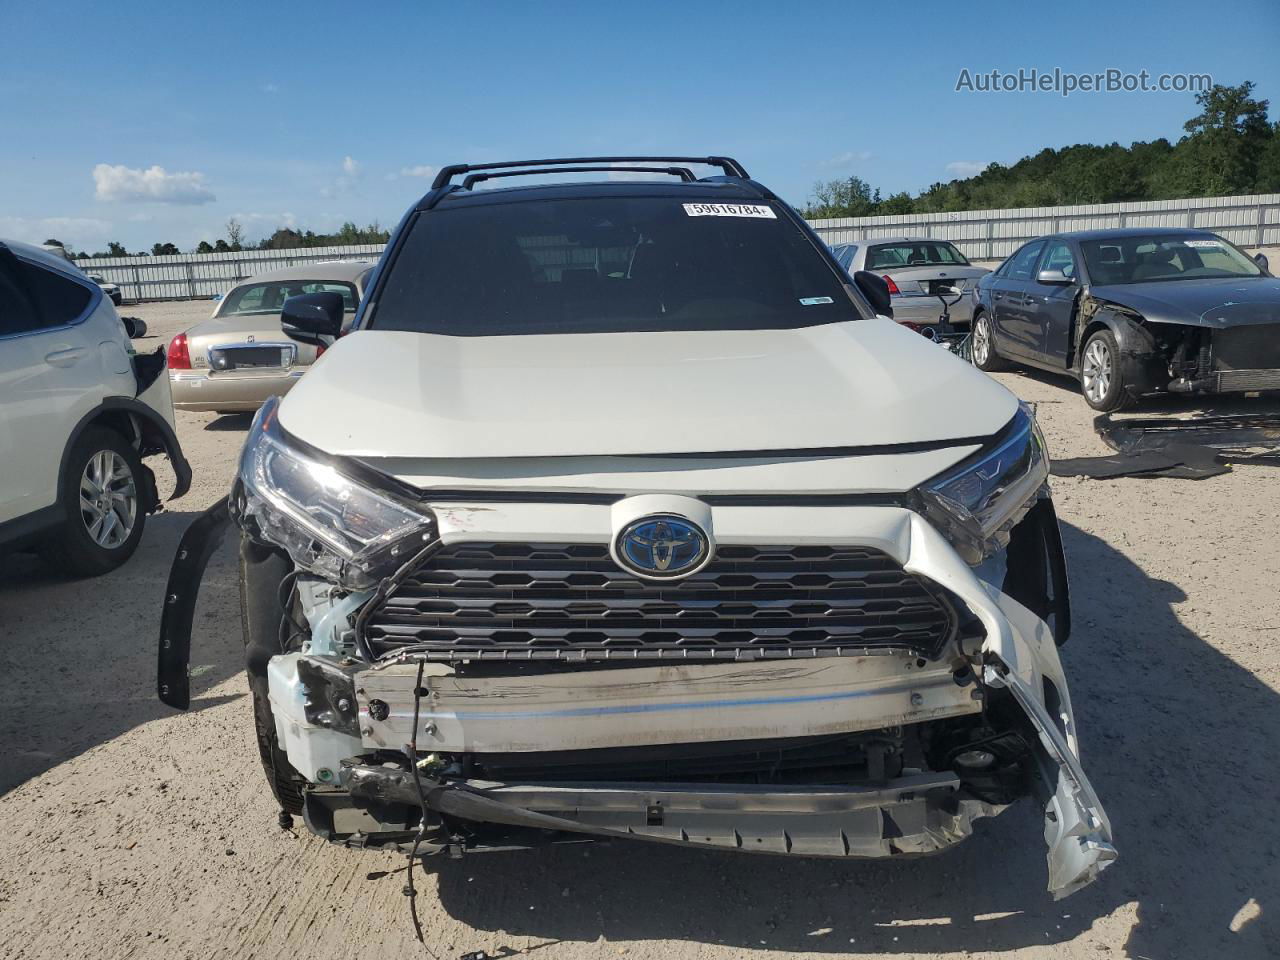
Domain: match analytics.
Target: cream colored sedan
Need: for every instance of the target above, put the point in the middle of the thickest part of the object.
(235, 360)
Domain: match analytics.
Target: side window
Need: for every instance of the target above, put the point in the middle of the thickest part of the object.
(243, 300)
(61, 300)
(32, 297)
(1060, 257)
(17, 312)
(1023, 262)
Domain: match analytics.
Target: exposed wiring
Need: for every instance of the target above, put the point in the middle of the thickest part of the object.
(286, 593)
(384, 590)
(410, 890)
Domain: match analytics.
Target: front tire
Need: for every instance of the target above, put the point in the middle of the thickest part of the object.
(1101, 378)
(982, 349)
(101, 496)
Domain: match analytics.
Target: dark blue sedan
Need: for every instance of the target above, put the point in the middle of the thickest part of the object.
(1133, 311)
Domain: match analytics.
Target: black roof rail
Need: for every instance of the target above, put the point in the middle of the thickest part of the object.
(730, 166)
(684, 173)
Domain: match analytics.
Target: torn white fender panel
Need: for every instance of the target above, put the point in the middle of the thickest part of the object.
(1076, 828)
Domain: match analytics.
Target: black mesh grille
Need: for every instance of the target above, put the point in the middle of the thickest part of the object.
(571, 601)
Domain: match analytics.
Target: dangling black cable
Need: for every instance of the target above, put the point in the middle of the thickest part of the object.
(410, 890)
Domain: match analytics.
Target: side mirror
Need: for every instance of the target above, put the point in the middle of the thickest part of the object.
(873, 287)
(1261, 260)
(134, 326)
(1056, 277)
(312, 318)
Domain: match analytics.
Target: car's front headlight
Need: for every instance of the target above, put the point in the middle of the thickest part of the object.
(330, 522)
(977, 503)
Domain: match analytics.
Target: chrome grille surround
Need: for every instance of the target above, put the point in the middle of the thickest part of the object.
(518, 601)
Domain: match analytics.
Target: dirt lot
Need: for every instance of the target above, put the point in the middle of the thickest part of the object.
(131, 830)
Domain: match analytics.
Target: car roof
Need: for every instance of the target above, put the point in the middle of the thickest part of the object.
(29, 251)
(1118, 233)
(348, 270)
(710, 190)
(877, 241)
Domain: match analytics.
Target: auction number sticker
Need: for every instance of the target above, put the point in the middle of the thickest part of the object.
(1210, 244)
(751, 210)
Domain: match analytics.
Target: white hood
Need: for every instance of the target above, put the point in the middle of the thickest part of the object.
(391, 394)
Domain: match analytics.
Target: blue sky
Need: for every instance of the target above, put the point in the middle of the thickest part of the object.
(144, 122)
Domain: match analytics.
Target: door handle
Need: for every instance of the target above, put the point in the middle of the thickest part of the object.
(65, 357)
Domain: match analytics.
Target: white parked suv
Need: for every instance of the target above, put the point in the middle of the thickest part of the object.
(625, 512)
(79, 411)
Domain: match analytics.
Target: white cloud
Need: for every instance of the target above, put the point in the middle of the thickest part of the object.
(344, 183)
(423, 170)
(965, 168)
(76, 232)
(848, 158)
(152, 185)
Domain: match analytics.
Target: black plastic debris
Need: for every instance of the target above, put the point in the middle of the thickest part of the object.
(1189, 449)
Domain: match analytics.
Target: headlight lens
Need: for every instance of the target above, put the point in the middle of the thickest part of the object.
(977, 503)
(330, 524)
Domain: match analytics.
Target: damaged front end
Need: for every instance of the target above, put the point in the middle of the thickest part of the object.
(854, 680)
(1228, 348)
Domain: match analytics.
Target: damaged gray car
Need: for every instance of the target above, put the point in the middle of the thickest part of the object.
(1132, 312)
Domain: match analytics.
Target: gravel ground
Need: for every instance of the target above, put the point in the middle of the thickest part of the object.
(132, 830)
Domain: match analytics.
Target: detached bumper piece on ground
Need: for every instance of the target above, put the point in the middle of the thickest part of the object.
(1188, 449)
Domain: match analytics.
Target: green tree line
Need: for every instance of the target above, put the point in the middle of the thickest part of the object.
(1230, 147)
(283, 238)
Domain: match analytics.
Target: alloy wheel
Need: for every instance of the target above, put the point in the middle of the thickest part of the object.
(1096, 371)
(108, 499)
(981, 342)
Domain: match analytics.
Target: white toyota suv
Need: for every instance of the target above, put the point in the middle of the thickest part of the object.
(622, 512)
(79, 410)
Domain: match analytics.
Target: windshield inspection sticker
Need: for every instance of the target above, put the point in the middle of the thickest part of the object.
(815, 301)
(752, 210)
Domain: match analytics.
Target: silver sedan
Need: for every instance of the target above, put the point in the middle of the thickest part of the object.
(240, 356)
(917, 270)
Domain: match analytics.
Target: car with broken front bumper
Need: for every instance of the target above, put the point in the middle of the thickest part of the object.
(797, 588)
(1131, 312)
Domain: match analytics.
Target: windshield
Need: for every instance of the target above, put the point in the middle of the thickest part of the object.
(269, 296)
(605, 265)
(914, 253)
(1156, 258)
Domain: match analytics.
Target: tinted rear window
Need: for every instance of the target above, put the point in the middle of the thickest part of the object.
(917, 253)
(603, 265)
(269, 297)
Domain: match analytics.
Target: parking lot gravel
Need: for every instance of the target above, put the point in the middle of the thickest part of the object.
(131, 830)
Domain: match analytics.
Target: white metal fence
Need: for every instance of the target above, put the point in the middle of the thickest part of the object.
(192, 276)
(1249, 221)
